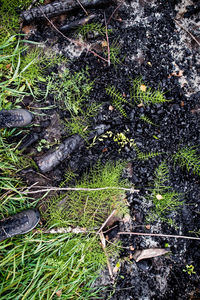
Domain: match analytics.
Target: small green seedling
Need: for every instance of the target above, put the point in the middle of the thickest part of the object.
(189, 269)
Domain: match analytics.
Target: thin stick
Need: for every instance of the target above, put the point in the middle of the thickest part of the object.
(115, 11)
(110, 229)
(107, 39)
(106, 221)
(161, 235)
(86, 46)
(85, 11)
(192, 36)
(60, 230)
(49, 189)
(102, 238)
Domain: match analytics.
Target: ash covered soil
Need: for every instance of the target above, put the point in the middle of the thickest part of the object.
(156, 44)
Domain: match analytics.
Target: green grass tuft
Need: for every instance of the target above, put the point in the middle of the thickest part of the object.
(38, 266)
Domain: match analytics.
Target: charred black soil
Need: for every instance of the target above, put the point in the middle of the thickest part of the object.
(158, 42)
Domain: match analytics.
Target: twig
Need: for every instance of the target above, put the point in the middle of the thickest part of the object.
(115, 11)
(106, 254)
(160, 235)
(31, 5)
(49, 189)
(192, 36)
(106, 221)
(107, 39)
(86, 46)
(60, 230)
(85, 11)
(109, 229)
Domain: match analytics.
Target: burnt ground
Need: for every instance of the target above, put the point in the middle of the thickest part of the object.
(155, 47)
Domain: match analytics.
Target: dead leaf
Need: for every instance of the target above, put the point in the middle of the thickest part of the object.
(159, 197)
(179, 74)
(116, 268)
(182, 103)
(104, 44)
(103, 240)
(140, 105)
(143, 88)
(148, 253)
(59, 293)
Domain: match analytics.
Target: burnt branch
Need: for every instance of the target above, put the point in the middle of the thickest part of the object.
(59, 7)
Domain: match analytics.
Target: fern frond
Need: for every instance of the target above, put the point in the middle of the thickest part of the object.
(92, 27)
(161, 178)
(147, 120)
(140, 93)
(188, 158)
(145, 156)
(117, 99)
(69, 176)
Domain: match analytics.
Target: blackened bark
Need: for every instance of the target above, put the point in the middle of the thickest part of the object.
(59, 7)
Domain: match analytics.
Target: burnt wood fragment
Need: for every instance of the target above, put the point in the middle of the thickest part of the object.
(59, 7)
(76, 24)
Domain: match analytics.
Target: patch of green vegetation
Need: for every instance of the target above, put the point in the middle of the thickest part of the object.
(71, 92)
(11, 198)
(94, 28)
(145, 156)
(164, 199)
(20, 71)
(189, 269)
(90, 208)
(118, 101)
(36, 266)
(114, 51)
(188, 158)
(141, 94)
(147, 120)
(122, 140)
(9, 17)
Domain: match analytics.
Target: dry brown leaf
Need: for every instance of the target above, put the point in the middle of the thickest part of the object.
(148, 253)
(59, 293)
(143, 88)
(140, 105)
(104, 44)
(179, 74)
(182, 103)
(116, 268)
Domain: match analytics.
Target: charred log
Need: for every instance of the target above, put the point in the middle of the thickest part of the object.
(75, 24)
(59, 7)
